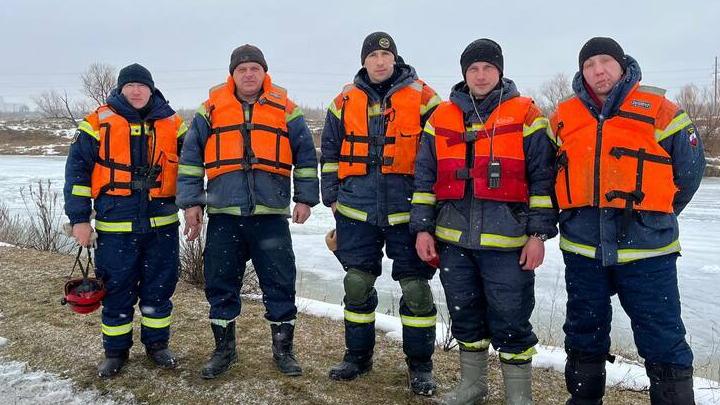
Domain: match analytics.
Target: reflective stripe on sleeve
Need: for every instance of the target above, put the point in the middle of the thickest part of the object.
(81, 191)
(190, 170)
(330, 167)
(540, 201)
(305, 173)
(423, 198)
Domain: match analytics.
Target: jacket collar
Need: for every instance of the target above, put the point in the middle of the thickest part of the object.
(460, 96)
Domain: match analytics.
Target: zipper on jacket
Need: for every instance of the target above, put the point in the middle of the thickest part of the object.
(382, 192)
(598, 149)
(249, 175)
(144, 192)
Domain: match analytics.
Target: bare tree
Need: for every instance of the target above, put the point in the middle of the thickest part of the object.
(553, 91)
(698, 103)
(52, 104)
(98, 81)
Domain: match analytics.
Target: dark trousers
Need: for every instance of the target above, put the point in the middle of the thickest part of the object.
(648, 292)
(488, 296)
(232, 241)
(132, 266)
(359, 247)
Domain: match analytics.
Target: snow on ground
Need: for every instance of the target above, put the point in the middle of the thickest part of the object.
(622, 373)
(320, 275)
(3, 244)
(20, 386)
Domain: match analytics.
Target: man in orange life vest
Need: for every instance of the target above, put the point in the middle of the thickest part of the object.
(483, 186)
(250, 140)
(629, 161)
(369, 144)
(124, 160)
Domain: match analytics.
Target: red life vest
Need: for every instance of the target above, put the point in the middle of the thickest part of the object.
(262, 144)
(112, 173)
(617, 163)
(452, 139)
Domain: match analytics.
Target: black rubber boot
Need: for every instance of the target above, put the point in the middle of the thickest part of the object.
(420, 377)
(670, 385)
(225, 353)
(351, 367)
(585, 378)
(113, 363)
(282, 347)
(161, 355)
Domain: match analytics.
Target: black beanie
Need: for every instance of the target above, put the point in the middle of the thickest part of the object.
(247, 53)
(482, 50)
(602, 46)
(375, 41)
(135, 73)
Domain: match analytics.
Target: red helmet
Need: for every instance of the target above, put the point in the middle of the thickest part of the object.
(84, 295)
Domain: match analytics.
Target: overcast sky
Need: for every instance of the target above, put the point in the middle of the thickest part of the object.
(313, 47)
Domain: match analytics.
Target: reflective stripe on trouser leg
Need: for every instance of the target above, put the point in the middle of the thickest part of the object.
(510, 299)
(462, 284)
(117, 261)
(160, 275)
(418, 334)
(360, 326)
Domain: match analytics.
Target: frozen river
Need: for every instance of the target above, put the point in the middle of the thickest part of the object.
(321, 276)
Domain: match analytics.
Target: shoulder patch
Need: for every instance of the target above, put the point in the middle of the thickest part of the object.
(652, 90)
(692, 136)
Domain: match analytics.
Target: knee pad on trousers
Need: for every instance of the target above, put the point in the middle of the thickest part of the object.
(417, 295)
(358, 286)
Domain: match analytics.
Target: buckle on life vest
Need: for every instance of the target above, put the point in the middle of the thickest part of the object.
(248, 126)
(470, 136)
(143, 184)
(636, 195)
(379, 140)
(387, 160)
(463, 173)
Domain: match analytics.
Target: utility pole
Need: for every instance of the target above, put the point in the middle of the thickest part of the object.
(715, 94)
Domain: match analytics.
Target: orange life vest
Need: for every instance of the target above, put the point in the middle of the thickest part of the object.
(262, 144)
(399, 142)
(616, 163)
(452, 139)
(112, 173)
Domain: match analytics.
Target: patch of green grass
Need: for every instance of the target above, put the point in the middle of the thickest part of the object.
(50, 337)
